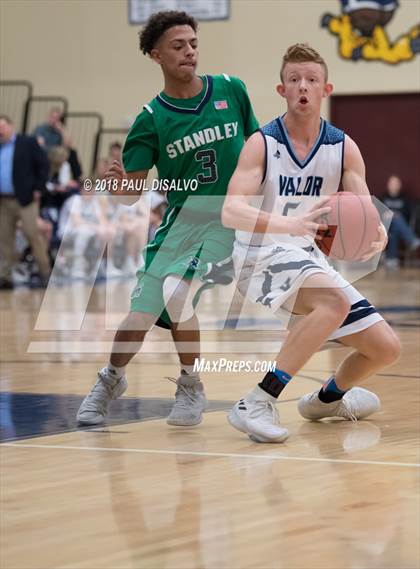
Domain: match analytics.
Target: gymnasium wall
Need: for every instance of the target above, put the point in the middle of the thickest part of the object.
(87, 51)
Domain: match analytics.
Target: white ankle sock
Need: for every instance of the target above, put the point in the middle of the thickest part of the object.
(115, 371)
(258, 394)
(189, 370)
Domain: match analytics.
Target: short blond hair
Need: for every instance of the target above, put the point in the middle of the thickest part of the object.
(58, 154)
(301, 53)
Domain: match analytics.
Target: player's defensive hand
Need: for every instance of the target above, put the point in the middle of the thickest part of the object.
(379, 245)
(115, 171)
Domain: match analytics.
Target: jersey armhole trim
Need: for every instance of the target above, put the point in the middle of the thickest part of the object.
(265, 155)
(148, 108)
(342, 159)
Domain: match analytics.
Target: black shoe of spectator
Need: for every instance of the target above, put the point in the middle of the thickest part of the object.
(5, 284)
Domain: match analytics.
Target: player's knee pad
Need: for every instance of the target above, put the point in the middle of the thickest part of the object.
(178, 295)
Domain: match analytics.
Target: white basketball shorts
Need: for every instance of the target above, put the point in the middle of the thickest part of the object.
(271, 274)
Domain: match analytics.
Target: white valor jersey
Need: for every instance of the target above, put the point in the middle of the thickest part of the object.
(291, 186)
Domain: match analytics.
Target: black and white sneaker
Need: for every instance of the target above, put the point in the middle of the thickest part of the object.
(259, 420)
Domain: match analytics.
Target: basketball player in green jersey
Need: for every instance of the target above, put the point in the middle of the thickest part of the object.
(193, 132)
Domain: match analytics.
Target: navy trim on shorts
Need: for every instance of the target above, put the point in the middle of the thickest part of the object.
(358, 311)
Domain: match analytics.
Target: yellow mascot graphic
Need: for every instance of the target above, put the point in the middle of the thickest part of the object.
(362, 35)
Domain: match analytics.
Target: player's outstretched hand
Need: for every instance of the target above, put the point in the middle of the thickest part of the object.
(379, 245)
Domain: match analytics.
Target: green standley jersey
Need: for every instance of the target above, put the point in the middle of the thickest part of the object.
(196, 139)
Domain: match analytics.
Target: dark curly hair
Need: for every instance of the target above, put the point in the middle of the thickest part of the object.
(157, 25)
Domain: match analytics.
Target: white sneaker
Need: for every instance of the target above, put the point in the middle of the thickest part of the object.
(190, 402)
(259, 420)
(357, 403)
(94, 406)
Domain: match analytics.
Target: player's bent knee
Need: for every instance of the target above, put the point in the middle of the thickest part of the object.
(138, 323)
(382, 344)
(390, 348)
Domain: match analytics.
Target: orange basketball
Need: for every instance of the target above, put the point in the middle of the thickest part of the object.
(352, 226)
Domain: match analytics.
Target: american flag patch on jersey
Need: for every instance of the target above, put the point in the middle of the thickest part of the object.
(220, 105)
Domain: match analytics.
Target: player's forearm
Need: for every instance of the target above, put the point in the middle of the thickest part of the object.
(354, 182)
(354, 175)
(238, 214)
(129, 188)
(126, 198)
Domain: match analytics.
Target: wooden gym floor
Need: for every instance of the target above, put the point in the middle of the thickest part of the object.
(137, 493)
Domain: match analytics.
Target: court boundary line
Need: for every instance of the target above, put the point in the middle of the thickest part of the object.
(215, 454)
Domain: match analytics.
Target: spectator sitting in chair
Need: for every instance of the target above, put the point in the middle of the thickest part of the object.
(84, 228)
(400, 229)
(60, 186)
(132, 227)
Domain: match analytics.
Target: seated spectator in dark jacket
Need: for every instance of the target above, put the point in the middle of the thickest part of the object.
(60, 186)
(23, 174)
(400, 229)
(75, 167)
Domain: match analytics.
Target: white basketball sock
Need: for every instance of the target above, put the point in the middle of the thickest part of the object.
(116, 372)
(189, 369)
(258, 394)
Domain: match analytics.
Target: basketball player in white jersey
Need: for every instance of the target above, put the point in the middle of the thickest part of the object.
(290, 164)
